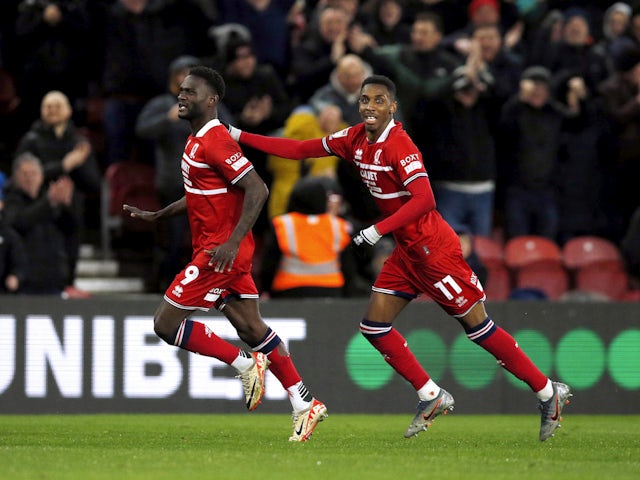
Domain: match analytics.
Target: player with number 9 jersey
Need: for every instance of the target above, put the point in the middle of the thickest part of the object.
(212, 163)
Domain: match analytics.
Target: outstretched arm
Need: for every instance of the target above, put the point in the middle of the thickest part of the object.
(175, 208)
(284, 147)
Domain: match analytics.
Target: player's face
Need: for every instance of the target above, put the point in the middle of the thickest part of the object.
(194, 98)
(377, 107)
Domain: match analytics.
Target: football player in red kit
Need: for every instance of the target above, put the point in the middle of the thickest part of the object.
(427, 258)
(223, 197)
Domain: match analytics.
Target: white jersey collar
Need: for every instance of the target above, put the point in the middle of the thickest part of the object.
(385, 134)
(207, 126)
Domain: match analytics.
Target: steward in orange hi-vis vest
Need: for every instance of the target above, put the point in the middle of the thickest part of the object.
(310, 246)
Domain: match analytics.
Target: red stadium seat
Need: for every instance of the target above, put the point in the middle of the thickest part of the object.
(600, 278)
(498, 284)
(550, 278)
(529, 249)
(489, 250)
(127, 182)
(586, 250)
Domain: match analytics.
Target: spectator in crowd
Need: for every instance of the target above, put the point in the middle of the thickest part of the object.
(504, 65)
(13, 256)
(615, 28)
(142, 38)
(49, 35)
(64, 151)
(270, 23)
(343, 88)
(42, 216)
(584, 152)
(257, 98)
(422, 70)
(386, 24)
(531, 126)
(621, 98)
(574, 55)
(462, 154)
(302, 124)
(303, 251)
(502, 15)
(315, 58)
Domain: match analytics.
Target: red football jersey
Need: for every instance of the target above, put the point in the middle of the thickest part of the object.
(212, 163)
(386, 167)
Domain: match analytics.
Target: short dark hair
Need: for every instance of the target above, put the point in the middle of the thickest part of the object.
(212, 77)
(381, 80)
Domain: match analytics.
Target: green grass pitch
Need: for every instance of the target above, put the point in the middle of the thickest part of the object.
(256, 446)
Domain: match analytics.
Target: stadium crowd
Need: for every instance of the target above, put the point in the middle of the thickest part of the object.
(526, 112)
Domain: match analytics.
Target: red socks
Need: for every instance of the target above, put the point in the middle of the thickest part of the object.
(503, 346)
(198, 338)
(393, 347)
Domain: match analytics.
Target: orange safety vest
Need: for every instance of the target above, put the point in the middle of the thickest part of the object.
(310, 246)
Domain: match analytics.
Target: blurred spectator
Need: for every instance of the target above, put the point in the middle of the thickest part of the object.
(615, 27)
(461, 160)
(13, 256)
(504, 65)
(421, 69)
(302, 259)
(257, 99)
(65, 152)
(582, 164)
(49, 34)
(142, 38)
(503, 15)
(343, 89)
(544, 37)
(621, 97)
(303, 123)
(386, 24)
(530, 135)
(41, 215)
(315, 58)
(270, 23)
(574, 55)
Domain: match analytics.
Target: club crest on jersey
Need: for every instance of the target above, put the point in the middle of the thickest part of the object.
(376, 157)
(194, 149)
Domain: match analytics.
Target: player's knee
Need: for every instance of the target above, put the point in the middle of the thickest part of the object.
(164, 331)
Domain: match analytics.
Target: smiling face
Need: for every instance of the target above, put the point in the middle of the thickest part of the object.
(377, 106)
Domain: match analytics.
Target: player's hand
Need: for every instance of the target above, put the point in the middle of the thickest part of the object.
(135, 212)
(223, 256)
(364, 240)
